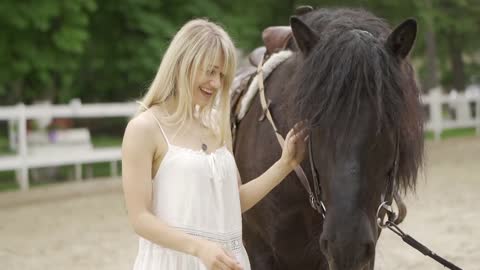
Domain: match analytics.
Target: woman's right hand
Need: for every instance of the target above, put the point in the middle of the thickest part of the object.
(215, 257)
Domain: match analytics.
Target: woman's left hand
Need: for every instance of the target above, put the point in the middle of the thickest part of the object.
(295, 145)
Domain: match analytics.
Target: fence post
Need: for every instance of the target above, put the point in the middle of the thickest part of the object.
(22, 172)
(78, 172)
(477, 113)
(75, 105)
(114, 168)
(12, 134)
(462, 108)
(436, 112)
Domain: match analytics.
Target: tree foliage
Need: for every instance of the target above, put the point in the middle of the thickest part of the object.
(109, 50)
(41, 45)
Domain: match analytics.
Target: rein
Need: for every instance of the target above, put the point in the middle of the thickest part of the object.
(315, 197)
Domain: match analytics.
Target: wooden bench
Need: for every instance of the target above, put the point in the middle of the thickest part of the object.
(59, 141)
(57, 144)
(68, 146)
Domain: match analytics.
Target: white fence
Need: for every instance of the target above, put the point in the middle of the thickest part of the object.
(443, 112)
(455, 110)
(22, 161)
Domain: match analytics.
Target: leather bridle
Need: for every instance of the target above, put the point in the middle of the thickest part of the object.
(315, 196)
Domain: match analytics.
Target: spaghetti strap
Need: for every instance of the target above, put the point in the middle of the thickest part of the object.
(161, 129)
(158, 122)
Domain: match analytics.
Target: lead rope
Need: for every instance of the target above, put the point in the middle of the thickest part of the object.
(419, 246)
(392, 216)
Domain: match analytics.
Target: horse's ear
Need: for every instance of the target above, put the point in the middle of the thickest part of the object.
(304, 36)
(401, 40)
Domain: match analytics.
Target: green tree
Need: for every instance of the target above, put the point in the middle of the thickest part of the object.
(126, 45)
(457, 26)
(41, 44)
(109, 50)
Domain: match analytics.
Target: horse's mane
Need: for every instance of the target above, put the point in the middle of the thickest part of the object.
(350, 67)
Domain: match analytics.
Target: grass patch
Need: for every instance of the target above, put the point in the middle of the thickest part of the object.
(5, 145)
(106, 141)
(452, 133)
(56, 175)
(101, 169)
(7, 181)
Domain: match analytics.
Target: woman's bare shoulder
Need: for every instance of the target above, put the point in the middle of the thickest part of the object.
(141, 123)
(140, 130)
(143, 134)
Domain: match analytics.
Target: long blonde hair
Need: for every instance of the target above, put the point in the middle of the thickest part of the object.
(196, 46)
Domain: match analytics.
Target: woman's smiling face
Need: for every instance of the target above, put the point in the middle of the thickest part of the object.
(208, 81)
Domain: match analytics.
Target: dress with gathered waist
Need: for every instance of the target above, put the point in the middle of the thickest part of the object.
(195, 192)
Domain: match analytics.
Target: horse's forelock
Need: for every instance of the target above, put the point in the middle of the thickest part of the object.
(350, 65)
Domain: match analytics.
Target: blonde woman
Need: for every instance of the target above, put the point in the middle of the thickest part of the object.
(182, 188)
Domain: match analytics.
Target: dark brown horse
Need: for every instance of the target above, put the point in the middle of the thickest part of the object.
(351, 78)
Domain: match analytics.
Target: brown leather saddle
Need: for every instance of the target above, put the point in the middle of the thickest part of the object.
(275, 39)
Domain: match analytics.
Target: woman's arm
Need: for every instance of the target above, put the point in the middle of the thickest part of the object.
(137, 154)
(252, 192)
(292, 154)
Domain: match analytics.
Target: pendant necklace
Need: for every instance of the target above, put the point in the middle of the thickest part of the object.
(202, 141)
(204, 145)
(197, 116)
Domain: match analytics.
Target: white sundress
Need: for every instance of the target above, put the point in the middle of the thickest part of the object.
(195, 192)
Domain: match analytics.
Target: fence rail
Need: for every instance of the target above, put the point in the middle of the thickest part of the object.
(22, 161)
(457, 110)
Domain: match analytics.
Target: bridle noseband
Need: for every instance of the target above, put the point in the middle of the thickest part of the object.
(387, 197)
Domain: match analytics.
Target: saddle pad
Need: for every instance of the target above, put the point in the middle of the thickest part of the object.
(273, 61)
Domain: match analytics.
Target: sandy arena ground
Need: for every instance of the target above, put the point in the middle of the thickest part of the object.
(83, 225)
